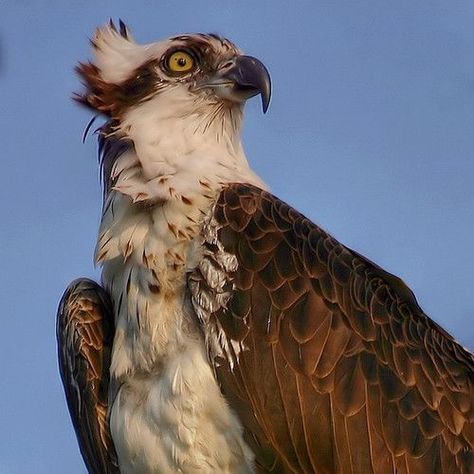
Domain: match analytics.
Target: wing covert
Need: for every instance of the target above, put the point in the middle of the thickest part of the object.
(84, 330)
(328, 360)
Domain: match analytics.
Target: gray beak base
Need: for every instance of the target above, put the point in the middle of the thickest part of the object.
(250, 77)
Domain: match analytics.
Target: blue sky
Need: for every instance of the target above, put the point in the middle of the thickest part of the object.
(370, 134)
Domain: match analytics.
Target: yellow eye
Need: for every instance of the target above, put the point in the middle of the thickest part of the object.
(180, 61)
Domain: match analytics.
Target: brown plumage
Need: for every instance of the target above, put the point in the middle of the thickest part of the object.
(337, 370)
(113, 99)
(85, 333)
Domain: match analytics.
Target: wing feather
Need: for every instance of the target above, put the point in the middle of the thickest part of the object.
(337, 367)
(84, 331)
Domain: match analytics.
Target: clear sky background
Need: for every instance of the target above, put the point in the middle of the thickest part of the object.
(370, 134)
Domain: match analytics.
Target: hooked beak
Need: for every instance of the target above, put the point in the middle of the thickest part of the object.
(242, 78)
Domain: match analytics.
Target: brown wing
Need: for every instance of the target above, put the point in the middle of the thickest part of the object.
(327, 359)
(84, 330)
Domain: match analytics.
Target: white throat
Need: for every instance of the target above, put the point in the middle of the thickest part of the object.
(180, 143)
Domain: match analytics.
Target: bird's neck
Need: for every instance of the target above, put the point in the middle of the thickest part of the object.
(177, 152)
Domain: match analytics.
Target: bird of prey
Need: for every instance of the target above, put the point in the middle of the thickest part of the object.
(230, 334)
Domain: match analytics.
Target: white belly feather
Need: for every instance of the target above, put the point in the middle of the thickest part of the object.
(167, 412)
(175, 420)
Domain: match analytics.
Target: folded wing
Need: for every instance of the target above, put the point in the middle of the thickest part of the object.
(327, 359)
(84, 331)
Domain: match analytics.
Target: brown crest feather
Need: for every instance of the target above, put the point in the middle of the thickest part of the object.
(113, 99)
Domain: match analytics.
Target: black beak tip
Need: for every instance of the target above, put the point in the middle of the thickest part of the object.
(251, 73)
(264, 84)
(265, 102)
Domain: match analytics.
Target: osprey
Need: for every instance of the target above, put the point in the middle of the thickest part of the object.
(230, 334)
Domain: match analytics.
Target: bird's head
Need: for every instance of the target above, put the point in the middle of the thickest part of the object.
(177, 104)
(196, 70)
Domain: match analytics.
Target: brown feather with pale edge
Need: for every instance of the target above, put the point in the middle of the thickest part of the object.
(339, 371)
(84, 331)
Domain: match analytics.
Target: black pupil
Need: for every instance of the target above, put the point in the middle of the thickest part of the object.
(182, 62)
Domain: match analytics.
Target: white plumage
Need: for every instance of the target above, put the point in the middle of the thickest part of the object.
(167, 411)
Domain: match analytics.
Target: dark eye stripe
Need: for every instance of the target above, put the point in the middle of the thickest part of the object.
(114, 99)
(141, 85)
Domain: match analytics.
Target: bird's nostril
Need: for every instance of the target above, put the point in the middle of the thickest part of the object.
(228, 64)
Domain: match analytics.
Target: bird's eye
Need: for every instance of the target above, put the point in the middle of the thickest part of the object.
(180, 62)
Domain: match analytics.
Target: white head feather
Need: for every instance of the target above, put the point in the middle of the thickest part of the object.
(182, 134)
